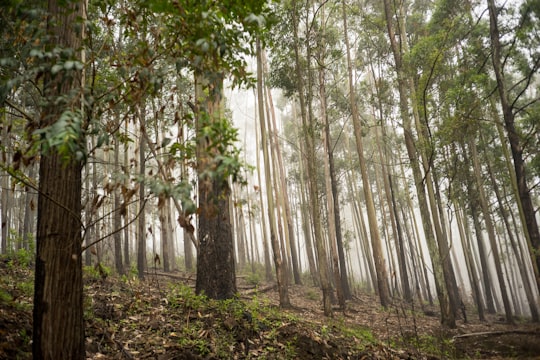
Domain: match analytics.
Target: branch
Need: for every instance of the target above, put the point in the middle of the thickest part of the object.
(21, 111)
(161, 169)
(496, 333)
(115, 231)
(528, 78)
(27, 182)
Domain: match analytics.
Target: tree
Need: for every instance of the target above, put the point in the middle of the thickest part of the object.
(382, 276)
(216, 276)
(507, 104)
(58, 295)
(281, 273)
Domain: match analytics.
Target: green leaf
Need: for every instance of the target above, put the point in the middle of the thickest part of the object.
(56, 69)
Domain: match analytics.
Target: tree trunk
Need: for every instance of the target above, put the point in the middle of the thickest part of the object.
(266, 251)
(281, 274)
(447, 314)
(382, 276)
(469, 261)
(331, 217)
(308, 125)
(306, 220)
(166, 238)
(141, 241)
(58, 292)
(530, 224)
(117, 217)
(491, 233)
(125, 215)
(216, 273)
(5, 189)
(283, 185)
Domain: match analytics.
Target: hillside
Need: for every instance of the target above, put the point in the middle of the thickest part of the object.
(161, 318)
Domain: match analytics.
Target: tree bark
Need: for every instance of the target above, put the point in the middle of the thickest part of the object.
(117, 217)
(216, 272)
(58, 293)
(382, 275)
(308, 125)
(141, 221)
(491, 233)
(524, 197)
(404, 83)
(281, 274)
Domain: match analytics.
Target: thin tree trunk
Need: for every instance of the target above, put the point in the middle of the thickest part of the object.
(382, 276)
(141, 241)
(447, 314)
(283, 184)
(306, 223)
(117, 218)
(491, 233)
(308, 124)
(469, 262)
(29, 212)
(530, 227)
(5, 189)
(266, 251)
(126, 208)
(331, 218)
(278, 261)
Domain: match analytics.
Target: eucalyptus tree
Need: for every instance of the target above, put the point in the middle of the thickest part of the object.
(522, 57)
(382, 274)
(406, 88)
(58, 297)
(277, 250)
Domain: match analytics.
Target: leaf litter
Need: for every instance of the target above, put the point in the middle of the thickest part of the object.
(161, 318)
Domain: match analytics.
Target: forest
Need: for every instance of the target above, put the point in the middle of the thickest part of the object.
(295, 179)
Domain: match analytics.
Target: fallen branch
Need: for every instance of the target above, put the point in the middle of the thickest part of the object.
(496, 333)
(172, 276)
(260, 290)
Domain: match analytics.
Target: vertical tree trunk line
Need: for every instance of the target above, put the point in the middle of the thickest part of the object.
(311, 168)
(58, 288)
(523, 197)
(382, 275)
(405, 86)
(281, 274)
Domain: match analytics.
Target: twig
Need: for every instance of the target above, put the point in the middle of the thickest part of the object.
(496, 333)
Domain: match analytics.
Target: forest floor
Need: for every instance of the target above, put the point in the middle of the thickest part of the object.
(161, 318)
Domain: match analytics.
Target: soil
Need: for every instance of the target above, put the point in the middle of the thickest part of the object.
(161, 318)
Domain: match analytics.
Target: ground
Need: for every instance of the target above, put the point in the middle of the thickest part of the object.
(161, 318)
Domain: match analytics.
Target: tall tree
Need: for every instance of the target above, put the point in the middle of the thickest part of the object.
(309, 127)
(281, 273)
(216, 273)
(507, 104)
(400, 48)
(58, 297)
(382, 275)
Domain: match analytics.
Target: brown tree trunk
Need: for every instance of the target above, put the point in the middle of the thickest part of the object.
(141, 221)
(531, 225)
(117, 218)
(216, 272)
(58, 293)
(491, 233)
(5, 189)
